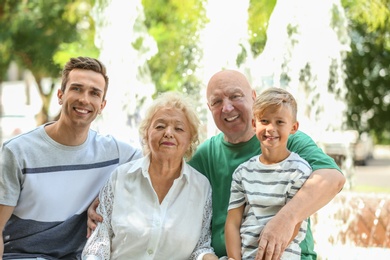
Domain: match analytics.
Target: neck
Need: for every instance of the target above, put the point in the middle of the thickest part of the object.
(240, 138)
(162, 176)
(272, 156)
(66, 135)
(165, 168)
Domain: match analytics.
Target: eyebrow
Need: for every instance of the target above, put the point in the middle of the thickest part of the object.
(83, 86)
(235, 89)
(160, 120)
(97, 89)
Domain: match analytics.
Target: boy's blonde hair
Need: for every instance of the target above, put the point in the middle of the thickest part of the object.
(273, 98)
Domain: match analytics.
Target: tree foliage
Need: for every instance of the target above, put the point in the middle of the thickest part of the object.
(42, 35)
(368, 67)
(175, 26)
(259, 13)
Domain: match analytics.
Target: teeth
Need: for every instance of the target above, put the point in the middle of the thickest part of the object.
(81, 110)
(231, 118)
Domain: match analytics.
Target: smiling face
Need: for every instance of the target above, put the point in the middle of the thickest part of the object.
(82, 99)
(274, 126)
(169, 135)
(230, 99)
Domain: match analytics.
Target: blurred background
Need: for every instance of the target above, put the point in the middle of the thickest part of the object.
(332, 55)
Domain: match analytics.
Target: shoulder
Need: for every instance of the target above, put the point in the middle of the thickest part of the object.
(204, 151)
(24, 138)
(210, 142)
(299, 162)
(109, 141)
(195, 176)
(299, 138)
(250, 162)
(129, 168)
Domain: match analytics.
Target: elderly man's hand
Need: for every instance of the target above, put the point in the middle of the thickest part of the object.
(274, 238)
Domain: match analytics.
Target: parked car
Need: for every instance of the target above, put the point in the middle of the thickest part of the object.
(363, 149)
(341, 145)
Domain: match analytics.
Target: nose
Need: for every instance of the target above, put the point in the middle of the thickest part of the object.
(83, 98)
(168, 132)
(270, 127)
(227, 106)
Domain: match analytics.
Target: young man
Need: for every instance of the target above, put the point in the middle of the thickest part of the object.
(230, 100)
(262, 185)
(50, 175)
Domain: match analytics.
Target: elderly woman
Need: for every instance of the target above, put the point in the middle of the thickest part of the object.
(157, 207)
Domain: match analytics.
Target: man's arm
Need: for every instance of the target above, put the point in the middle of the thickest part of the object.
(321, 187)
(5, 214)
(93, 217)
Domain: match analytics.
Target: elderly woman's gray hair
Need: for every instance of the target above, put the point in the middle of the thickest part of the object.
(178, 101)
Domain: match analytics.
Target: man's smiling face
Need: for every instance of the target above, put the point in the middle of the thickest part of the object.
(82, 100)
(230, 100)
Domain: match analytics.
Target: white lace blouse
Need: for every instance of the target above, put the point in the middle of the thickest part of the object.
(137, 226)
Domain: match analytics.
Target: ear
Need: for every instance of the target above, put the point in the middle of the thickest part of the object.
(294, 127)
(253, 94)
(254, 124)
(102, 105)
(59, 96)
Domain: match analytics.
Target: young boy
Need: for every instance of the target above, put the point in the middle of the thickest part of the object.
(262, 185)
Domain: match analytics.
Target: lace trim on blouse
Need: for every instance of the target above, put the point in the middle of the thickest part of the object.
(99, 244)
(204, 242)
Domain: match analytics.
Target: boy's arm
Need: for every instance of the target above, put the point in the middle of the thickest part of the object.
(232, 233)
(321, 187)
(5, 214)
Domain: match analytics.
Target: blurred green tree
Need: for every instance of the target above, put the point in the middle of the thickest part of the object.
(258, 17)
(368, 67)
(41, 36)
(175, 26)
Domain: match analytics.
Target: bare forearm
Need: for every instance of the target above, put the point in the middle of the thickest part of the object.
(233, 237)
(210, 257)
(1, 247)
(232, 232)
(322, 186)
(233, 244)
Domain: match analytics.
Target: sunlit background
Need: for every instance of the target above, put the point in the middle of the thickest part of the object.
(333, 55)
